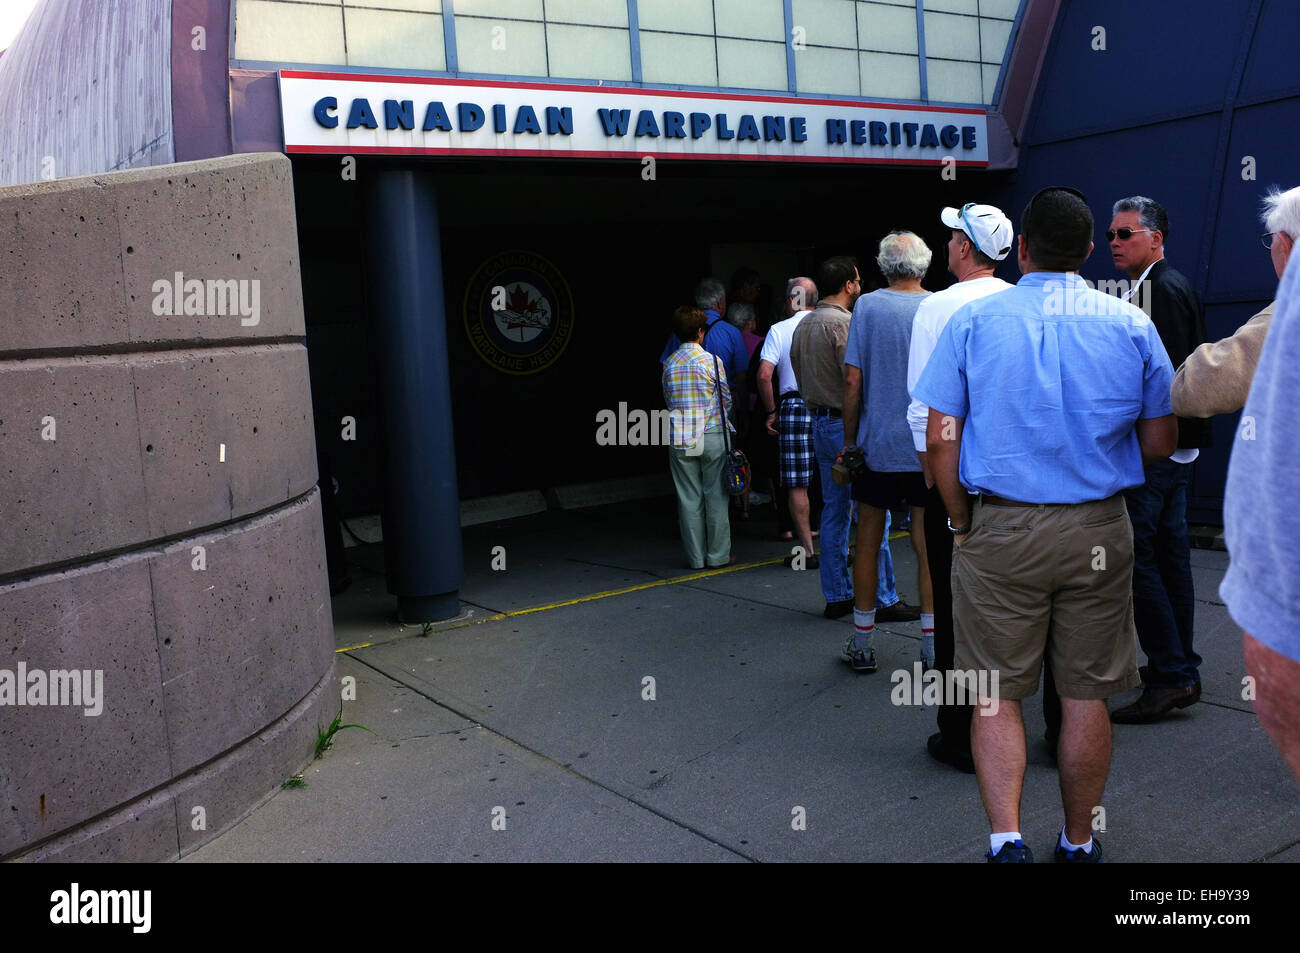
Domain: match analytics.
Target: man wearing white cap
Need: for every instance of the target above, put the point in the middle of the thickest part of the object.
(981, 237)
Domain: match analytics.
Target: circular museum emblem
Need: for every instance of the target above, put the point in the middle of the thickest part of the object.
(518, 312)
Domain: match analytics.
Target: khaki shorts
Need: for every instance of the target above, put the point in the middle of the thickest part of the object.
(1054, 579)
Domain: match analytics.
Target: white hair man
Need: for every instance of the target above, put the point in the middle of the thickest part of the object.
(981, 237)
(1261, 588)
(1216, 377)
(875, 420)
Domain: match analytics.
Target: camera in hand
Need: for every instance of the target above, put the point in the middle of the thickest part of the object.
(850, 464)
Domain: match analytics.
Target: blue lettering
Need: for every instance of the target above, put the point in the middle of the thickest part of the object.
(895, 134)
(879, 133)
(559, 121)
(858, 131)
(798, 129)
(526, 121)
(968, 137)
(909, 129)
(949, 136)
(674, 126)
(929, 138)
(700, 123)
(321, 111)
(499, 118)
(469, 116)
(396, 114)
(837, 130)
(646, 125)
(774, 128)
(748, 128)
(360, 115)
(614, 121)
(435, 117)
(723, 131)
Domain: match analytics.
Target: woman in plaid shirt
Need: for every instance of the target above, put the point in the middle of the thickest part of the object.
(691, 391)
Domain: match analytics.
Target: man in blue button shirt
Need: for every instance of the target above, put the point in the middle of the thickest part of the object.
(721, 338)
(1045, 401)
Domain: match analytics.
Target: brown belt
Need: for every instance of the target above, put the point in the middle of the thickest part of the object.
(1003, 501)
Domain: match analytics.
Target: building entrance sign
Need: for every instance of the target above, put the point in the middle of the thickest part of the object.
(355, 113)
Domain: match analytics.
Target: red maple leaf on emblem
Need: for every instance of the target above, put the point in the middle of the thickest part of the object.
(519, 301)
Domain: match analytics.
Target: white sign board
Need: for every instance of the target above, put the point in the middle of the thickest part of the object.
(362, 114)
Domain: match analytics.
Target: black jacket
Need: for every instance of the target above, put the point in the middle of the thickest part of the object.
(1179, 318)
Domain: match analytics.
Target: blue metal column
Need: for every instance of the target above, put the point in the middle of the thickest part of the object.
(422, 547)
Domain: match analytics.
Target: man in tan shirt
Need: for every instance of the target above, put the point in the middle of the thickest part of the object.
(817, 355)
(1216, 377)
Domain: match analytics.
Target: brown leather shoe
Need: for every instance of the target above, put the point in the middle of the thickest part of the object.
(838, 610)
(1154, 703)
(899, 612)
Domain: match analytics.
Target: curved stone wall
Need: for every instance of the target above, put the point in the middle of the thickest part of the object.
(166, 640)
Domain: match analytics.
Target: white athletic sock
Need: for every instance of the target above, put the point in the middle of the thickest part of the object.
(864, 625)
(997, 840)
(1065, 843)
(927, 636)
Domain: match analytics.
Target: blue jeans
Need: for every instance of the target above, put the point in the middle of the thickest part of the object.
(1162, 575)
(886, 594)
(837, 580)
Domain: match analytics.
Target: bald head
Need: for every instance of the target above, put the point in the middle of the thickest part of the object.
(800, 295)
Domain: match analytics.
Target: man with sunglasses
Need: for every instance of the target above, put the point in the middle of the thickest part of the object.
(1162, 557)
(1046, 415)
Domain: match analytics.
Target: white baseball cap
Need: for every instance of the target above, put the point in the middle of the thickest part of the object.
(985, 225)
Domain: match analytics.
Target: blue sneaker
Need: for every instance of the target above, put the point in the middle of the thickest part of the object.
(1012, 852)
(1080, 856)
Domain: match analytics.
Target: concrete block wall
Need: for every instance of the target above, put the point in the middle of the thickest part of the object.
(160, 518)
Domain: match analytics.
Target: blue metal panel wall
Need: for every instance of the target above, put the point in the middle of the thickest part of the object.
(1183, 92)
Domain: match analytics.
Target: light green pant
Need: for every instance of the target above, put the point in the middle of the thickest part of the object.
(702, 502)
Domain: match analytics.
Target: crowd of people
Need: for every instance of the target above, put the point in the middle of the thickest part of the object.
(1041, 442)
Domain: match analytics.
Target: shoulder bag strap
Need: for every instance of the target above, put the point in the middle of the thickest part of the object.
(722, 408)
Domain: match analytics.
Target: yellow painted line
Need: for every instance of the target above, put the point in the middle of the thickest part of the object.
(702, 574)
(689, 577)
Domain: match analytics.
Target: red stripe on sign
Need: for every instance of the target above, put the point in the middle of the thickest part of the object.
(589, 154)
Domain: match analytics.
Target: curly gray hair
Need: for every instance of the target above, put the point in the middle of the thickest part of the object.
(903, 255)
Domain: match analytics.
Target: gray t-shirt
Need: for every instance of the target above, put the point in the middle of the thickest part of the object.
(880, 338)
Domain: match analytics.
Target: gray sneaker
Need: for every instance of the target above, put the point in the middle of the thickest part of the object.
(860, 660)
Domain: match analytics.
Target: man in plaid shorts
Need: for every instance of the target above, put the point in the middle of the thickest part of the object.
(787, 415)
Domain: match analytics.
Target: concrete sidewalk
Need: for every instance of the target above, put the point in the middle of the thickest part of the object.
(540, 718)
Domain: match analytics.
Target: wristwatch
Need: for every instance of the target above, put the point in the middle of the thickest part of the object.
(958, 530)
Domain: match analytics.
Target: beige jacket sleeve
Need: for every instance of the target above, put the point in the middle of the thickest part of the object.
(1216, 377)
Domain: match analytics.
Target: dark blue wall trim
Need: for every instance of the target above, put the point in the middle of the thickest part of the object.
(634, 38)
(920, 49)
(792, 82)
(449, 34)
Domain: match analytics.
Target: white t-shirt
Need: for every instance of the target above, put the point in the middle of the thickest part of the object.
(931, 318)
(776, 350)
